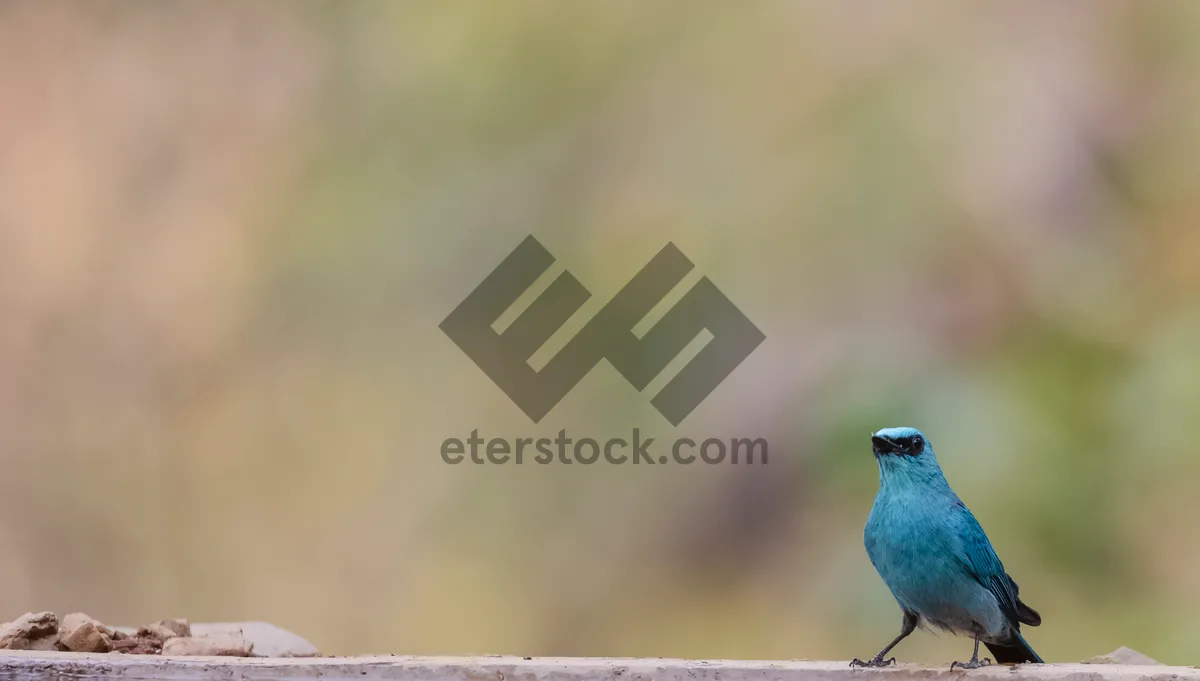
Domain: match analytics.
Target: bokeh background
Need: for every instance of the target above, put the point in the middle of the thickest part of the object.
(228, 233)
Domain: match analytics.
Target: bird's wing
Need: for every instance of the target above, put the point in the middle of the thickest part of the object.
(981, 561)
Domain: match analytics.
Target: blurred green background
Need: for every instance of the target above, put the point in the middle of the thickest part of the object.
(228, 233)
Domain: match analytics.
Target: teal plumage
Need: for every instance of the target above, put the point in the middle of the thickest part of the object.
(936, 559)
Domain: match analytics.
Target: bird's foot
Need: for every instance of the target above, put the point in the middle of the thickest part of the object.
(876, 661)
(975, 663)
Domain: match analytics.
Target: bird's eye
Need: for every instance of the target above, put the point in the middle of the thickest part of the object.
(918, 442)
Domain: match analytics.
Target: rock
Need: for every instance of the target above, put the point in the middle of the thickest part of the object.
(179, 627)
(1122, 655)
(31, 631)
(267, 639)
(82, 634)
(73, 620)
(37, 625)
(165, 629)
(224, 644)
(86, 638)
(137, 646)
(44, 643)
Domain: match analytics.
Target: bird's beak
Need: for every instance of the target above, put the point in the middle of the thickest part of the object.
(882, 445)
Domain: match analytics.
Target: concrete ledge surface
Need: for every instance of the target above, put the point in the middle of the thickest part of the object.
(42, 665)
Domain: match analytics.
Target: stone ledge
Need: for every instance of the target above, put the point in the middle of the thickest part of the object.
(33, 664)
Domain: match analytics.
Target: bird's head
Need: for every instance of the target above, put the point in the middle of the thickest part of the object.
(904, 452)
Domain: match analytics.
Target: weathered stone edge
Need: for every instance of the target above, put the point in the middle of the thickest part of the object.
(506, 668)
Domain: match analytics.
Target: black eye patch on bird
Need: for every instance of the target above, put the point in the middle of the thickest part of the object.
(904, 446)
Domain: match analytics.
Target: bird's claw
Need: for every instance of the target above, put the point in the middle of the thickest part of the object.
(973, 664)
(873, 662)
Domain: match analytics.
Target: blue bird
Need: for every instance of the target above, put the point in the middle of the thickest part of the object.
(936, 559)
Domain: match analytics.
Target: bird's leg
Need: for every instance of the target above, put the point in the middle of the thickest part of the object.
(907, 627)
(975, 662)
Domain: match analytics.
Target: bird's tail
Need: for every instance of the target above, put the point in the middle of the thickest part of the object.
(1015, 651)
